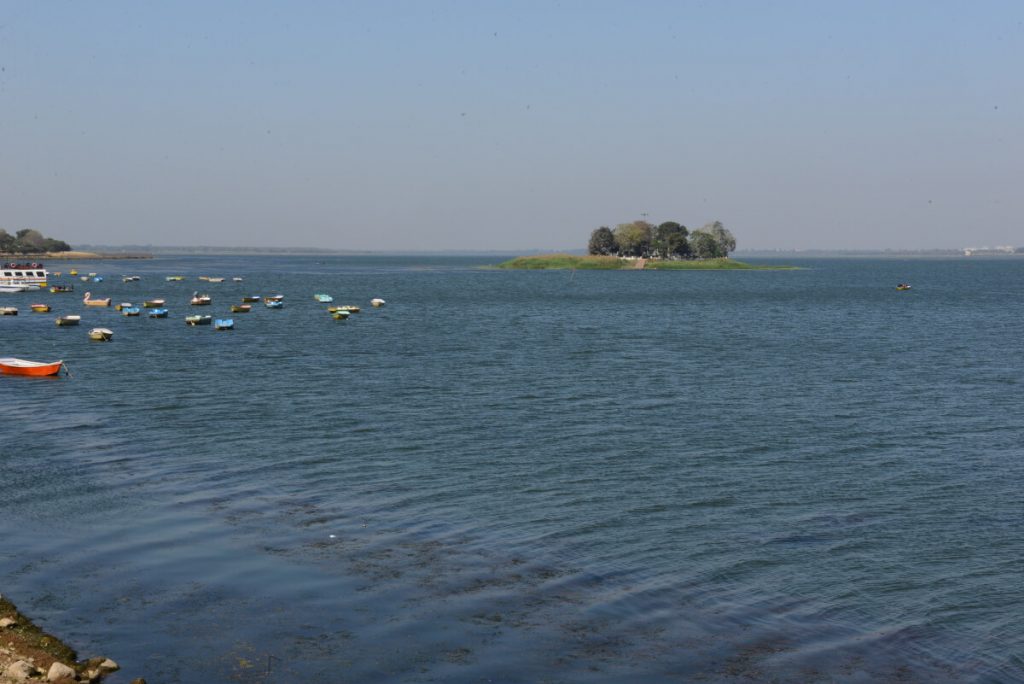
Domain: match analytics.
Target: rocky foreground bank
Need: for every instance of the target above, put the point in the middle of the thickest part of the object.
(28, 654)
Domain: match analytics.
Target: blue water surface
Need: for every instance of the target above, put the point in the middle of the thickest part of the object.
(524, 476)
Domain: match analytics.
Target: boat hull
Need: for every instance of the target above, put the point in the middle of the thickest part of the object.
(30, 368)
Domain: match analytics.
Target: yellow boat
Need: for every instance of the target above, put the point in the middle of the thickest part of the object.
(41, 308)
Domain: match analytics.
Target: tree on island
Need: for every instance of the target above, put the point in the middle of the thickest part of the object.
(602, 242)
(670, 240)
(713, 241)
(634, 239)
(29, 241)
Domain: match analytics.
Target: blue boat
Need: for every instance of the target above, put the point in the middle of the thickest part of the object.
(274, 303)
(131, 311)
(158, 313)
(224, 324)
(323, 298)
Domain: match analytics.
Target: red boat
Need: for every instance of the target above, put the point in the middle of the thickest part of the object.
(23, 367)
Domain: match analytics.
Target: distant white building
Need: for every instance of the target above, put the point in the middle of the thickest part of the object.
(1001, 249)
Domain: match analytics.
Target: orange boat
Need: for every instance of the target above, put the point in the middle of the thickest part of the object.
(23, 367)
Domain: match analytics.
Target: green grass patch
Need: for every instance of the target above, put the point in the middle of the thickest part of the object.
(565, 261)
(711, 265)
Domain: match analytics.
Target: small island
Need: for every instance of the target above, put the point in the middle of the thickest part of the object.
(642, 245)
(29, 242)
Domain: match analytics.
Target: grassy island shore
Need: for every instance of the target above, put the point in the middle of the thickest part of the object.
(27, 653)
(611, 263)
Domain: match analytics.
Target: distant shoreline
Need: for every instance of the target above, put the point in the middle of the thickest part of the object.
(68, 256)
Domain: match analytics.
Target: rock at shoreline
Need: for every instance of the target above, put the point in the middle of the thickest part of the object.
(20, 671)
(59, 672)
(30, 654)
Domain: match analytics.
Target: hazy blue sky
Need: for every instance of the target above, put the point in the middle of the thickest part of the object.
(513, 125)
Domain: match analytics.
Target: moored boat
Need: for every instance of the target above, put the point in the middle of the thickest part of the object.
(40, 308)
(250, 298)
(68, 320)
(198, 320)
(174, 279)
(323, 298)
(73, 272)
(14, 286)
(903, 286)
(89, 301)
(122, 306)
(60, 289)
(158, 313)
(224, 324)
(153, 303)
(8, 311)
(377, 302)
(11, 366)
(273, 303)
(241, 308)
(101, 334)
(340, 315)
(33, 274)
(351, 308)
(131, 311)
(215, 280)
(130, 279)
(200, 300)
(237, 279)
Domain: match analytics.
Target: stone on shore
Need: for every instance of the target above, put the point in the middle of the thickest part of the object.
(59, 672)
(20, 671)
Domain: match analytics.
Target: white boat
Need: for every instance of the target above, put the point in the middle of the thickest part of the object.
(68, 320)
(17, 287)
(32, 274)
(101, 334)
(377, 302)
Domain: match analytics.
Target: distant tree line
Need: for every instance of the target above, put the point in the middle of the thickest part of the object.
(30, 241)
(669, 240)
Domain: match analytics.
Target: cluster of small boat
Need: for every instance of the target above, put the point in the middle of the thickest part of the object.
(155, 308)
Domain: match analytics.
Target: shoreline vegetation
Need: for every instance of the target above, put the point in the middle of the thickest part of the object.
(69, 255)
(27, 653)
(614, 263)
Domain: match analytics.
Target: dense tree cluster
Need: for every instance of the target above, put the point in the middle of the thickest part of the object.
(670, 240)
(30, 241)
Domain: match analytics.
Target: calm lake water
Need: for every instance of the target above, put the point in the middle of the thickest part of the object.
(792, 476)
